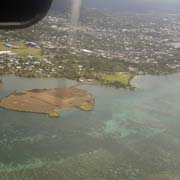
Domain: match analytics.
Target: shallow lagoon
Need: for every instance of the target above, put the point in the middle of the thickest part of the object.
(131, 135)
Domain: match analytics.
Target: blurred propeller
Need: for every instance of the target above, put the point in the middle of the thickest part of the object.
(22, 13)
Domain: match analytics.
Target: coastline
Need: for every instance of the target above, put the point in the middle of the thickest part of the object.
(108, 80)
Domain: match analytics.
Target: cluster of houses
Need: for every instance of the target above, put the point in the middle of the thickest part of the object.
(135, 42)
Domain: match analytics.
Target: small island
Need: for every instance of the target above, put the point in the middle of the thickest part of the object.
(49, 101)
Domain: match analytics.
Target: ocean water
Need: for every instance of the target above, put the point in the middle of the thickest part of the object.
(130, 135)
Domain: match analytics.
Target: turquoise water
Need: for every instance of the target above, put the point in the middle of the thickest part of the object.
(131, 135)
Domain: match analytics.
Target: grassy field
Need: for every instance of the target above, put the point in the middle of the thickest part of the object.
(119, 79)
(21, 49)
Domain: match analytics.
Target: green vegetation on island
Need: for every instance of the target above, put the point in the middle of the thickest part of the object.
(87, 106)
(53, 113)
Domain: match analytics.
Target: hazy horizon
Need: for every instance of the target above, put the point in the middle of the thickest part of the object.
(118, 6)
(136, 5)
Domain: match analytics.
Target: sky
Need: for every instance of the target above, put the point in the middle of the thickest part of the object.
(136, 5)
(126, 5)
